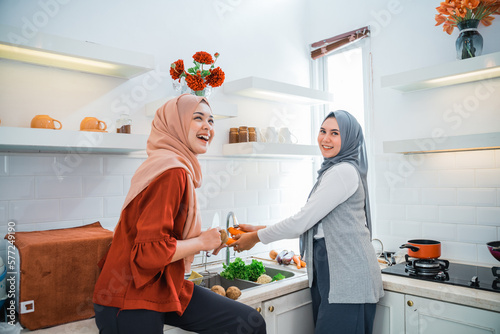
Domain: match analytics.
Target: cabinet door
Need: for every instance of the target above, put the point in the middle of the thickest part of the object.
(390, 315)
(290, 314)
(433, 316)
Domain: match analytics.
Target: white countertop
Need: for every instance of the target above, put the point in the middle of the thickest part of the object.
(443, 292)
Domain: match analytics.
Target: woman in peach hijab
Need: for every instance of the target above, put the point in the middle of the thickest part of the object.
(141, 286)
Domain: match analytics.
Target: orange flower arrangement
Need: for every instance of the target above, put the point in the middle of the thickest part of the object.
(197, 78)
(452, 12)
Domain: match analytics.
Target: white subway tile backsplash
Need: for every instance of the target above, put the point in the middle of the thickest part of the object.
(404, 195)
(113, 206)
(121, 165)
(475, 159)
(440, 232)
(457, 214)
(257, 182)
(497, 158)
(59, 225)
(110, 185)
(422, 213)
(382, 227)
(391, 212)
(33, 165)
(17, 188)
(4, 211)
(58, 187)
(269, 197)
(220, 200)
(488, 216)
(80, 164)
(404, 228)
(475, 233)
(456, 178)
(439, 196)
(464, 252)
(423, 179)
(81, 208)
(257, 214)
(477, 197)
(382, 195)
(223, 181)
(441, 161)
(34, 211)
(4, 165)
(127, 180)
(488, 178)
(246, 198)
(268, 167)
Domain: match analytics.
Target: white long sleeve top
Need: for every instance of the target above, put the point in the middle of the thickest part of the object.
(337, 185)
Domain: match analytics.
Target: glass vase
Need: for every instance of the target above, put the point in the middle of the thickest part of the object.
(181, 87)
(469, 42)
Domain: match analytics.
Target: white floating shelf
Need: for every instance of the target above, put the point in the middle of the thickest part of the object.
(452, 73)
(257, 149)
(47, 140)
(484, 141)
(276, 91)
(83, 56)
(220, 110)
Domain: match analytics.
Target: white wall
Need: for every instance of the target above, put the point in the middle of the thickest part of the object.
(259, 191)
(452, 197)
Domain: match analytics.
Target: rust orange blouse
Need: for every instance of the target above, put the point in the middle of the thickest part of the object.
(138, 272)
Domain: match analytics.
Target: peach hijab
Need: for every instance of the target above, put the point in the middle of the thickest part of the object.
(168, 147)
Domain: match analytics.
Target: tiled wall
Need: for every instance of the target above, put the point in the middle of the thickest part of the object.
(450, 197)
(49, 191)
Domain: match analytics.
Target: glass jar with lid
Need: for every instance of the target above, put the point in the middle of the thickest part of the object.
(124, 124)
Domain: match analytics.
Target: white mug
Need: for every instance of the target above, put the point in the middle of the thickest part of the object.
(269, 135)
(286, 137)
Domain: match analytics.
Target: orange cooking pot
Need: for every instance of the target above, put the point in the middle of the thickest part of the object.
(423, 248)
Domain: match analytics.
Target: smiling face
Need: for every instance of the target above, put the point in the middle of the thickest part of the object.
(329, 140)
(201, 129)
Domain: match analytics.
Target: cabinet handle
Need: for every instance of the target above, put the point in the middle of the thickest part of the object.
(271, 308)
(410, 303)
(258, 309)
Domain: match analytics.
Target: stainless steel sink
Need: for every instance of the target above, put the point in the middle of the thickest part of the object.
(213, 277)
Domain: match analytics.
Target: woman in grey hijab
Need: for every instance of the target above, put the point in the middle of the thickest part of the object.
(334, 227)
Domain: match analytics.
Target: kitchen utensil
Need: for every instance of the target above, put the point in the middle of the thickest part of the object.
(92, 123)
(286, 137)
(494, 248)
(45, 122)
(215, 223)
(423, 248)
(269, 135)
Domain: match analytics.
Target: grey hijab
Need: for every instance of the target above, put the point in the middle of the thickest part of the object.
(352, 150)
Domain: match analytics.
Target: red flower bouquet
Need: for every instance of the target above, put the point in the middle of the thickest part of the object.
(197, 78)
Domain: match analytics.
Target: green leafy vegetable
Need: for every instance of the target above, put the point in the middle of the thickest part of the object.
(277, 277)
(238, 269)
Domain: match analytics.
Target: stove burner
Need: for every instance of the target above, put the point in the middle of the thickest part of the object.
(431, 268)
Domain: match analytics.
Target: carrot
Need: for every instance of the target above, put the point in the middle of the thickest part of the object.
(297, 261)
(302, 263)
(230, 241)
(234, 231)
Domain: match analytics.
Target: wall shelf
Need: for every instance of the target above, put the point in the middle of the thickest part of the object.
(276, 91)
(47, 140)
(484, 141)
(83, 56)
(452, 73)
(269, 150)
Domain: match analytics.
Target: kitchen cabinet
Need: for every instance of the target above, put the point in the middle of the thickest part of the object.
(47, 140)
(291, 313)
(451, 73)
(401, 313)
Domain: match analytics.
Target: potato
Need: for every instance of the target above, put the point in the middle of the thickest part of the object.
(219, 290)
(263, 279)
(233, 292)
(273, 254)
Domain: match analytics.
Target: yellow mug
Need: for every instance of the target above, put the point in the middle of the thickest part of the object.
(92, 123)
(45, 122)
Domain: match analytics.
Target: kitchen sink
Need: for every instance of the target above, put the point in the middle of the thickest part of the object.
(212, 277)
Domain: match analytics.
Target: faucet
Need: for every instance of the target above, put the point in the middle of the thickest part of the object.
(235, 223)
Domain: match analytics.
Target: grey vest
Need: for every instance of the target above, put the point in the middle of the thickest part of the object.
(355, 276)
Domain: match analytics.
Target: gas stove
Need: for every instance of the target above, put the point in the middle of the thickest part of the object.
(442, 271)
